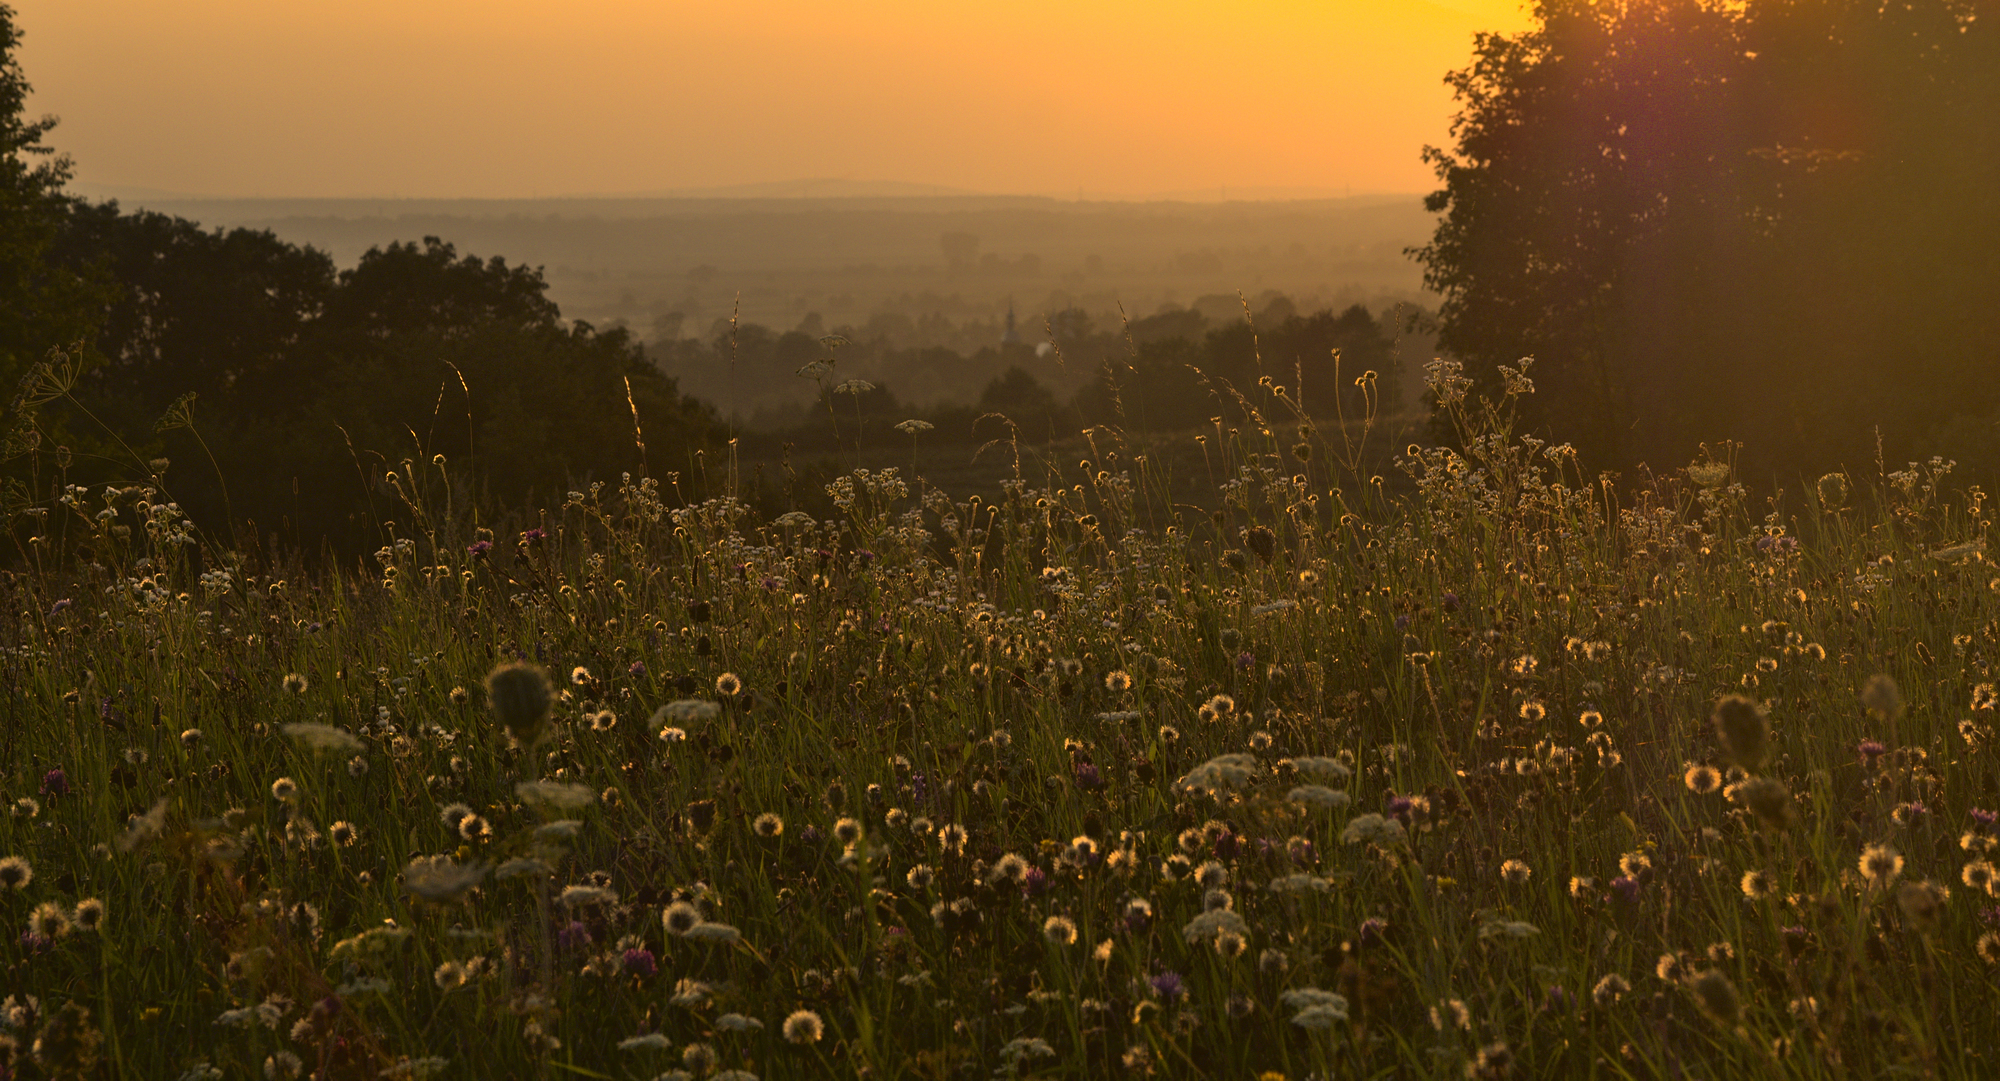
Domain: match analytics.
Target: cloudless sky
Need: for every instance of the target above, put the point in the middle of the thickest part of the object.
(505, 98)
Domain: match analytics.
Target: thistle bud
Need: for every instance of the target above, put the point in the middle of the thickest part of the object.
(1741, 726)
(520, 697)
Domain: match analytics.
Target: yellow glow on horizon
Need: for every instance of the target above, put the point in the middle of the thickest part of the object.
(510, 98)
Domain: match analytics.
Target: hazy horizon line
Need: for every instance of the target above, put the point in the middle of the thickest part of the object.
(777, 191)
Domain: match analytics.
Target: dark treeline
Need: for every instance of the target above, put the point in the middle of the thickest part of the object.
(1770, 222)
(1168, 372)
(308, 385)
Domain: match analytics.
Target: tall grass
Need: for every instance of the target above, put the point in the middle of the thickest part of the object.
(1069, 780)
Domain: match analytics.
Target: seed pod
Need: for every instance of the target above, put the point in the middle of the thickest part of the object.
(1745, 733)
(520, 697)
(1716, 996)
(1768, 799)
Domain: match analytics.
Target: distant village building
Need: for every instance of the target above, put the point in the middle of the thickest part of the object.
(1012, 336)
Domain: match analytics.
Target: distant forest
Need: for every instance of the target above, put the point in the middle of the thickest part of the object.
(1767, 227)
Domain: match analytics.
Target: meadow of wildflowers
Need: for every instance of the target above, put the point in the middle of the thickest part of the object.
(1524, 773)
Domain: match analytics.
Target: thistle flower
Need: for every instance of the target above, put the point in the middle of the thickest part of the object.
(1059, 930)
(847, 831)
(1515, 872)
(15, 873)
(449, 976)
(1989, 947)
(679, 918)
(1609, 990)
(284, 789)
(48, 920)
(1701, 778)
(453, 815)
(1978, 875)
(728, 685)
(1758, 885)
(768, 826)
(1118, 681)
(295, 683)
(1880, 864)
(89, 914)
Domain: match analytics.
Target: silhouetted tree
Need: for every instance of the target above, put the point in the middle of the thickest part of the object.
(43, 304)
(1708, 220)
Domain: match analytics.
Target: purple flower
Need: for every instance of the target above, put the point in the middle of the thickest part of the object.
(534, 536)
(1786, 544)
(771, 584)
(1371, 930)
(1626, 888)
(1870, 751)
(1034, 882)
(1451, 602)
(1984, 818)
(1087, 777)
(640, 963)
(59, 607)
(864, 557)
(34, 943)
(1764, 542)
(809, 834)
(1559, 998)
(55, 783)
(1245, 659)
(1226, 845)
(1301, 850)
(574, 937)
(1167, 985)
(478, 549)
(1398, 808)
(1403, 622)
(638, 669)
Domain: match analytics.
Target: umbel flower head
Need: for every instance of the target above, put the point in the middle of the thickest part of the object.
(520, 697)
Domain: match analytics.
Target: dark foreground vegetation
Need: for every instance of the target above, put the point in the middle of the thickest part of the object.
(1516, 776)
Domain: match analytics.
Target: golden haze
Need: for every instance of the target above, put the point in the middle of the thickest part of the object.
(508, 98)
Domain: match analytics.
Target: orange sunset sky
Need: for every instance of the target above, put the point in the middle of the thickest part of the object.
(503, 98)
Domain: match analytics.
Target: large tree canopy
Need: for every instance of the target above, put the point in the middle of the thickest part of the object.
(309, 384)
(1768, 222)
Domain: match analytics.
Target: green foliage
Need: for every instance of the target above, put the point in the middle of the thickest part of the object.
(42, 307)
(1065, 783)
(312, 383)
(1729, 222)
